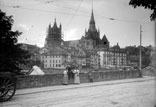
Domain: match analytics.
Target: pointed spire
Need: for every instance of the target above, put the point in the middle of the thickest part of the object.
(55, 24)
(92, 23)
(99, 32)
(49, 28)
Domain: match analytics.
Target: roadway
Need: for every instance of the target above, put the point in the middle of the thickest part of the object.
(138, 92)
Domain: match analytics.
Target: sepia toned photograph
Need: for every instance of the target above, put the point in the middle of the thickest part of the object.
(77, 53)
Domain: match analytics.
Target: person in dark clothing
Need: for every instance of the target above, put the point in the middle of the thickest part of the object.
(70, 73)
(90, 76)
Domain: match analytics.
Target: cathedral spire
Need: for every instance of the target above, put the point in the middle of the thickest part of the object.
(92, 23)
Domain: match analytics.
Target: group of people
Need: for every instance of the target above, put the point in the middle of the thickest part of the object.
(71, 73)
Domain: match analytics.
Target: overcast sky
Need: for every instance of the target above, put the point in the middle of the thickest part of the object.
(32, 17)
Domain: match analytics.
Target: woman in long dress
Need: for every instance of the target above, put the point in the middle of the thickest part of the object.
(65, 77)
(76, 76)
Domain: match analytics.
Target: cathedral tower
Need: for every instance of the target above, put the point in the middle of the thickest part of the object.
(92, 36)
(53, 38)
(92, 33)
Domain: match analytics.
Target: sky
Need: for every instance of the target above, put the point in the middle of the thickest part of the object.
(32, 18)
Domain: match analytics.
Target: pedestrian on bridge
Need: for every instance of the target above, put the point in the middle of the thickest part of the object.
(65, 77)
(76, 75)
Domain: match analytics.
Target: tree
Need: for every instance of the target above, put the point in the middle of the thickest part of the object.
(150, 4)
(35, 62)
(11, 55)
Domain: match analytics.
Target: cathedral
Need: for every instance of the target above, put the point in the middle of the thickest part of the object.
(89, 51)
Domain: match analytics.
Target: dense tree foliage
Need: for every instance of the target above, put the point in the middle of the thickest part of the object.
(11, 55)
(35, 62)
(150, 4)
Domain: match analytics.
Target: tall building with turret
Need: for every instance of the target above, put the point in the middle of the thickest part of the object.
(53, 38)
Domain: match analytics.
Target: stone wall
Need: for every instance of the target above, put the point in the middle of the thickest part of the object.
(56, 79)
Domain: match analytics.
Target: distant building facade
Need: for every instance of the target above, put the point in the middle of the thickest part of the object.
(54, 58)
(112, 59)
(89, 51)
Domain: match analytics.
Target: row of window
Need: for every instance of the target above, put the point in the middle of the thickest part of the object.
(114, 57)
(115, 62)
(110, 53)
(55, 56)
(54, 61)
(52, 65)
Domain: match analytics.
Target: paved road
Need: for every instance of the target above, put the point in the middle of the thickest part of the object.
(138, 93)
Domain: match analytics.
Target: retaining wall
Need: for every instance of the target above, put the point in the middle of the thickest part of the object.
(56, 79)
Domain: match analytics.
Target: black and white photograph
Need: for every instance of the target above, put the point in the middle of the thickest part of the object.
(77, 53)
